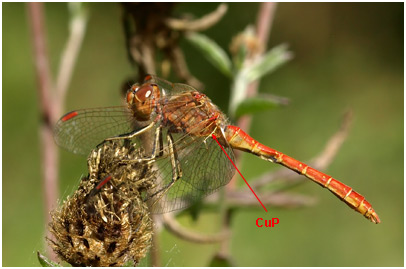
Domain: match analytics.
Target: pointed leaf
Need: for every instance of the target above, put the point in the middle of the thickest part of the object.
(268, 62)
(212, 51)
(259, 103)
(45, 262)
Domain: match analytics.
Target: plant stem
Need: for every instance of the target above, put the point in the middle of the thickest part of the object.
(49, 156)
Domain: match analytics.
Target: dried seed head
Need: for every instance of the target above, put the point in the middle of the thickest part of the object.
(109, 227)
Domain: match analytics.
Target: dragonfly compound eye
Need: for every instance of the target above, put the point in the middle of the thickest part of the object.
(131, 94)
(144, 93)
(142, 100)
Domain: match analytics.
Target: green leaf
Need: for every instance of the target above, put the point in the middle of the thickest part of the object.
(45, 262)
(259, 103)
(268, 62)
(212, 51)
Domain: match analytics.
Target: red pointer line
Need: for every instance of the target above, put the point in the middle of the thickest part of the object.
(215, 138)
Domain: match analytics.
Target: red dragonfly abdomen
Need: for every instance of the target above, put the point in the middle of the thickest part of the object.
(238, 139)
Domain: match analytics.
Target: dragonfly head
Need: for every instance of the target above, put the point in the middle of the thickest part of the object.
(141, 100)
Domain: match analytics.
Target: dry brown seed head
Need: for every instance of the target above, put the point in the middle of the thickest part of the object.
(112, 226)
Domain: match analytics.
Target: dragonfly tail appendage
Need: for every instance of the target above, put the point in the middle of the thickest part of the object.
(238, 139)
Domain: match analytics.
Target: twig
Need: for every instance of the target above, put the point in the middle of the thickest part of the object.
(225, 246)
(50, 103)
(41, 62)
(265, 21)
(335, 142)
(147, 53)
(201, 24)
(155, 256)
(275, 199)
(174, 227)
(49, 157)
(69, 56)
(243, 197)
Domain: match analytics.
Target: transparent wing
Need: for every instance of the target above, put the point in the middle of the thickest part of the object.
(79, 131)
(168, 87)
(204, 167)
(82, 130)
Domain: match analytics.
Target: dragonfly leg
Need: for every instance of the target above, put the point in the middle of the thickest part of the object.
(158, 141)
(176, 170)
(157, 149)
(130, 135)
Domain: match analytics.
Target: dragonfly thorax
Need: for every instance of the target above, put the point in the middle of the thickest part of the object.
(141, 100)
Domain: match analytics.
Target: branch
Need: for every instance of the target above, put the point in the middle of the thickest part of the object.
(70, 54)
(41, 57)
(243, 198)
(174, 227)
(275, 199)
(49, 157)
(51, 104)
(201, 24)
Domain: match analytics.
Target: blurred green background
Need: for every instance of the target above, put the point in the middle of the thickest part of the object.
(347, 55)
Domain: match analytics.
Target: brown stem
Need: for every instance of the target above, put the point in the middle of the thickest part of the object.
(224, 250)
(155, 255)
(41, 62)
(174, 227)
(51, 104)
(49, 157)
(200, 24)
(245, 198)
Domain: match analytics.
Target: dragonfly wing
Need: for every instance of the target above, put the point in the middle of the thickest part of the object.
(80, 131)
(169, 88)
(204, 168)
(164, 85)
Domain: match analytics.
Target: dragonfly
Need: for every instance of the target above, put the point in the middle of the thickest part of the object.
(179, 122)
